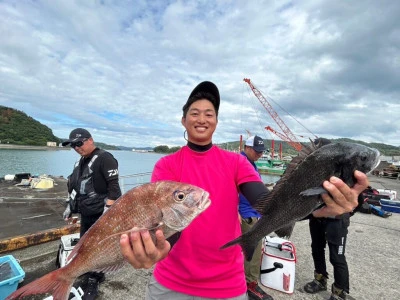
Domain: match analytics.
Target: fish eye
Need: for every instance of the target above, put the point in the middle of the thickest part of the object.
(179, 196)
(364, 157)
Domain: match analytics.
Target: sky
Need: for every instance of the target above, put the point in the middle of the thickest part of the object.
(124, 69)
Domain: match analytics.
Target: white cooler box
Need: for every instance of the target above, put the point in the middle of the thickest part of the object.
(68, 243)
(278, 264)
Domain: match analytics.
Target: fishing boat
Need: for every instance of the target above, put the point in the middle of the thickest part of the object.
(268, 165)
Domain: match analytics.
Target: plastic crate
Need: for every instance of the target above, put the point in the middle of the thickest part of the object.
(391, 208)
(390, 205)
(9, 285)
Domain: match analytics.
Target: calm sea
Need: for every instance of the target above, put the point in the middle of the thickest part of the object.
(60, 163)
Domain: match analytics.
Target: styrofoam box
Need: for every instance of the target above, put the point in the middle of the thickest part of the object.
(9, 285)
(391, 193)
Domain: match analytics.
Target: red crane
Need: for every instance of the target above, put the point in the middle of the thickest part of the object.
(288, 136)
(295, 145)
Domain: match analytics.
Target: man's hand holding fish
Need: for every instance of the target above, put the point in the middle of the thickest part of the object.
(341, 198)
(140, 251)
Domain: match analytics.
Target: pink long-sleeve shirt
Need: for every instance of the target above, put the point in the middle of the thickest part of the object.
(196, 265)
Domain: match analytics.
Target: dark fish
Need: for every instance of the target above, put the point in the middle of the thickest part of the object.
(166, 204)
(297, 193)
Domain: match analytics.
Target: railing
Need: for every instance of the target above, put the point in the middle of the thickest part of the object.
(128, 182)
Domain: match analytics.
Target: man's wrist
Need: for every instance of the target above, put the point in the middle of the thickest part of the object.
(109, 202)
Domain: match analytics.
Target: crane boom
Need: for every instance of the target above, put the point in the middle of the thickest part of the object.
(289, 136)
(295, 145)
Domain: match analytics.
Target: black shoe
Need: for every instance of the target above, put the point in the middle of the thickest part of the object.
(92, 289)
(337, 293)
(318, 284)
(256, 293)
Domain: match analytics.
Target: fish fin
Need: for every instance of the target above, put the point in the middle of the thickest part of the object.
(248, 248)
(313, 191)
(319, 142)
(111, 269)
(54, 283)
(262, 203)
(306, 150)
(285, 232)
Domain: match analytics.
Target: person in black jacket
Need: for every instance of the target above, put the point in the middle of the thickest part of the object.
(93, 187)
(332, 231)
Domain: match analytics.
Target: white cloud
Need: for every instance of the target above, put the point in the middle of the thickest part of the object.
(124, 70)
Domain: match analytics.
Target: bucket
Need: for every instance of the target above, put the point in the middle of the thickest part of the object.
(278, 264)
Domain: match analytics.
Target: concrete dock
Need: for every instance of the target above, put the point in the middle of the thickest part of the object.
(26, 210)
(372, 254)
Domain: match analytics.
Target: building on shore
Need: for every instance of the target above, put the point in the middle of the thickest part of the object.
(51, 144)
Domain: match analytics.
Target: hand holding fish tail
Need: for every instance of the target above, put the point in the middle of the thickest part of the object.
(139, 249)
(341, 198)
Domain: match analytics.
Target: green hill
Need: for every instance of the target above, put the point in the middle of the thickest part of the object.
(18, 128)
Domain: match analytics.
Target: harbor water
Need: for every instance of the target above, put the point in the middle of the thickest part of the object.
(61, 162)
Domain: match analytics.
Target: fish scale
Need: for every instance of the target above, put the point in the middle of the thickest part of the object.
(170, 204)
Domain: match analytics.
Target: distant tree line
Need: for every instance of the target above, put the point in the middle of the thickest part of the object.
(165, 149)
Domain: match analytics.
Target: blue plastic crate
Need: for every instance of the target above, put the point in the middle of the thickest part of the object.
(390, 205)
(391, 208)
(10, 285)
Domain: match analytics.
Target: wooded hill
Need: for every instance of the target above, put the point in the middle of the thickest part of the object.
(18, 128)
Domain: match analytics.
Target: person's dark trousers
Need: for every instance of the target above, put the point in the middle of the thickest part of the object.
(86, 223)
(333, 232)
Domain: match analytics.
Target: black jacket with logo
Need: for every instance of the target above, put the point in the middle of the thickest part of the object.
(93, 180)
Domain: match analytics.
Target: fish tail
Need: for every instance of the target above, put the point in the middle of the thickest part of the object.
(248, 246)
(55, 283)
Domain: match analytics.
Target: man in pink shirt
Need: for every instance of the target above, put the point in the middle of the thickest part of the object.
(191, 265)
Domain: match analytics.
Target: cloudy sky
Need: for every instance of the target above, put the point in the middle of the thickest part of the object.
(124, 69)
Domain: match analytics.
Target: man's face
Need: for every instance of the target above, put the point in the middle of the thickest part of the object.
(252, 154)
(200, 122)
(86, 148)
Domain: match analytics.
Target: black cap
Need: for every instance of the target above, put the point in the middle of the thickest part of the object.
(205, 87)
(256, 143)
(78, 134)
